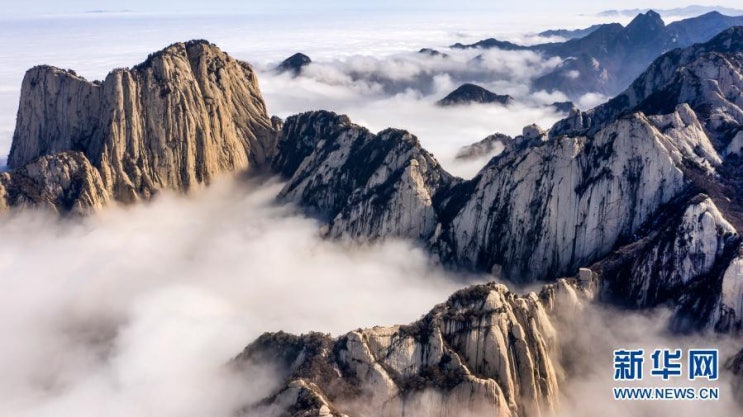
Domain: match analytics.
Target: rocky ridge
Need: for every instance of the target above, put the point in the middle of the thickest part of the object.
(485, 351)
(364, 185)
(555, 201)
(187, 115)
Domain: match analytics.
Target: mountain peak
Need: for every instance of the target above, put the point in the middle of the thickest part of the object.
(294, 63)
(213, 110)
(473, 93)
(645, 24)
(179, 49)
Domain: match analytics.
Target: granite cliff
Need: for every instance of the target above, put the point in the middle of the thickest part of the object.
(485, 351)
(658, 182)
(187, 115)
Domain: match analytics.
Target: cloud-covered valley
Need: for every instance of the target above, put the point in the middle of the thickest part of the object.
(136, 311)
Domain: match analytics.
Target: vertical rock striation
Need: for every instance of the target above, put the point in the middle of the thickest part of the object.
(364, 185)
(185, 116)
(486, 351)
(545, 210)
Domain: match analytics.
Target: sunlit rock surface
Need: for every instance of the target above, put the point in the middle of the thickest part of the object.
(187, 115)
(485, 351)
(63, 182)
(365, 185)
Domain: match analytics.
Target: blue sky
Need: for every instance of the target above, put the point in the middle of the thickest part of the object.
(45, 7)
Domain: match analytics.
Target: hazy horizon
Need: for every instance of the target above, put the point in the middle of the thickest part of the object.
(229, 6)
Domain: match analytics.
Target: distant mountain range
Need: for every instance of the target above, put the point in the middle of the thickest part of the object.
(608, 57)
(570, 33)
(693, 10)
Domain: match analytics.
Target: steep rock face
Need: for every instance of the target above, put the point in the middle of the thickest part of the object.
(187, 115)
(728, 311)
(680, 258)
(486, 350)
(64, 182)
(549, 208)
(364, 185)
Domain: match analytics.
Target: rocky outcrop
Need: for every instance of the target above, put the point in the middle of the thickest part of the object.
(364, 185)
(187, 115)
(566, 107)
(63, 182)
(471, 93)
(680, 258)
(544, 210)
(487, 146)
(541, 209)
(486, 351)
(294, 64)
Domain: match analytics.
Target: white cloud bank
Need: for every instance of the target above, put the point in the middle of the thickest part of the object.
(135, 311)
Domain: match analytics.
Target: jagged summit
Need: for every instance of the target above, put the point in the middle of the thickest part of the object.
(485, 351)
(472, 93)
(186, 115)
(364, 185)
(644, 26)
(176, 48)
(294, 63)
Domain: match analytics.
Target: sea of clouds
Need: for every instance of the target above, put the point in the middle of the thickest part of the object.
(135, 311)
